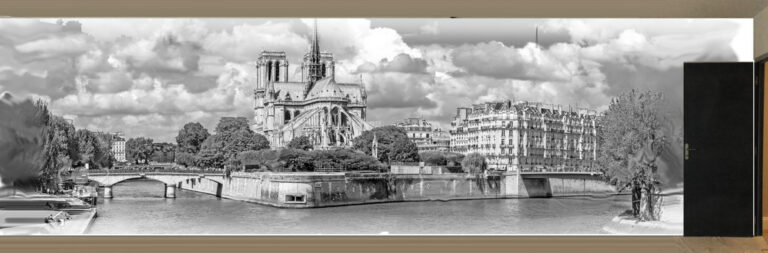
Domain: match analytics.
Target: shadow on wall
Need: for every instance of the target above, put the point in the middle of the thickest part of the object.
(538, 187)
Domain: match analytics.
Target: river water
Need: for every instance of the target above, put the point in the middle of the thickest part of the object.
(138, 207)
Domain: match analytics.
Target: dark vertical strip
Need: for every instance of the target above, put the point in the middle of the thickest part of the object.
(277, 72)
(759, 125)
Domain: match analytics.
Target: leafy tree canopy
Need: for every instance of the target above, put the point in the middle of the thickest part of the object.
(301, 142)
(232, 137)
(164, 152)
(187, 159)
(474, 163)
(87, 146)
(24, 133)
(441, 158)
(288, 160)
(139, 149)
(393, 144)
(191, 137)
(632, 125)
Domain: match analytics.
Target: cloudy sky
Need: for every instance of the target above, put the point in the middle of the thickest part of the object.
(148, 77)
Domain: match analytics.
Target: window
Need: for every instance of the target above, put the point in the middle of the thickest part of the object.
(295, 199)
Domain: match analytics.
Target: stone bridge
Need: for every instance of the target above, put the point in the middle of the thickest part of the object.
(171, 179)
(547, 174)
(556, 183)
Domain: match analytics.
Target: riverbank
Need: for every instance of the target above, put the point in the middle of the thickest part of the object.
(671, 222)
(313, 190)
(33, 219)
(76, 225)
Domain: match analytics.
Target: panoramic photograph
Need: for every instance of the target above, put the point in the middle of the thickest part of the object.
(317, 126)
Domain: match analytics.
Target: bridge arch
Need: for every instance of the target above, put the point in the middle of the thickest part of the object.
(171, 180)
(109, 180)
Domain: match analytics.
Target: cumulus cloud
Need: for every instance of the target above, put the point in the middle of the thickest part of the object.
(500, 61)
(431, 28)
(402, 63)
(398, 90)
(147, 77)
(245, 42)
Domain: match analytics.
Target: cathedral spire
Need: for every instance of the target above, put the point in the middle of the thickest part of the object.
(315, 45)
(315, 71)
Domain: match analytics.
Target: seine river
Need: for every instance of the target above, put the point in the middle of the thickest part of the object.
(138, 207)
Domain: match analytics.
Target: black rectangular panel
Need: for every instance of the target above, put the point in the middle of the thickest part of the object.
(719, 162)
(759, 119)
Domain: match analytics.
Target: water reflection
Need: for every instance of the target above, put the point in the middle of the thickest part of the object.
(139, 208)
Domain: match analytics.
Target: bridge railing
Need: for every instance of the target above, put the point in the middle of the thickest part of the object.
(561, 172)
(547, 169)
(175, 171)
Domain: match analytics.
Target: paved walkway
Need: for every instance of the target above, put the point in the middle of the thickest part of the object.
(671, 222)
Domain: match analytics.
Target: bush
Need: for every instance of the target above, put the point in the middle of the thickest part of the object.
(441, 158)
(454, 159)
(301, 143)
(393, 144)
(294, 160)
(186, 159)
(265, 159)
(347, 159)
(474, 163)
(297, 159)
(434, 158)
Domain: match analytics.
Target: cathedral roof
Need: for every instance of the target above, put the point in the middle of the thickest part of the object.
(325, 87)
(354, 92)
(294, 89)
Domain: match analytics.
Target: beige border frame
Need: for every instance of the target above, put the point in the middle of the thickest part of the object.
(386, 8)
(381, 8)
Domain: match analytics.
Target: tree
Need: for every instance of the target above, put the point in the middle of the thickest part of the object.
(301, 142)
(187, 159)
(433, 158)
(266, 159)
(297, 159)
(394, 144)
(352, 160)
(232, 137)
(104, 158)
(164, 152)
(139, 149)
(86, 146)
(453, 159)
(232, 124)
(346, 159)
(23, 140)
(294, 160)
(630, 139)
(212, 152)
(191, 137)
(61, 149)
(474, 163)
(404, 150)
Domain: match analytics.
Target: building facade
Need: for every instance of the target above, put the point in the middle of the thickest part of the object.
(426, 137)
(118, 146)
(331, 114)
(527, 137)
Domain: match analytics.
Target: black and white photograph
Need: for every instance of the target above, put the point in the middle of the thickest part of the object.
(348, 126)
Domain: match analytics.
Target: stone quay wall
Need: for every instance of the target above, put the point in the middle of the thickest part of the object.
(314, 189)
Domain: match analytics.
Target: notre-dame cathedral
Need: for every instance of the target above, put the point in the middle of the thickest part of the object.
(331, 114)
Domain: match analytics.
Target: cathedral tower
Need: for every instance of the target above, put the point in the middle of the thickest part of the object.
(271, 67)
(317, 65)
